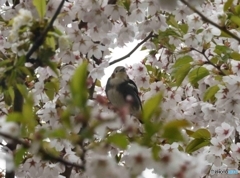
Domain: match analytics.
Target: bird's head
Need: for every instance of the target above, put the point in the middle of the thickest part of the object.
(119, 75)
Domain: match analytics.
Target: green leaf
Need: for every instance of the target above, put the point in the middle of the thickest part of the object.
(149, 68)
(65, 118)
(126, 4)
(119, 140)
(23, 90)
(14, 117)
(41, 7)
(184, 28)
(189, 132)
(151, 128)
(44, 56)
(168, 32)
(172, 132)
(49, 150)
(197, 74)
(58, 32)
(57, 133)
(201, 133)
(53, 66)
(235, 19)
(50, 42)
(182, 61)
(215, 59)
(210, 93)
(237, 9)
(177, 123)
(196, 144)
(3, 56)
(221, 49)
(20, 61)
(235, 55)
(143, 48)
(172, 135)
(155, 151)
(50, 89)
(25, 70)
(182, 73)
(98, 83)
(28, 118)
(19, 156)
(7, 97)
(55, 82)
(13, 77)
(78, 85)
(227, 5)
(3, 63)
(171, 21)
(181, 68)
(151, 106)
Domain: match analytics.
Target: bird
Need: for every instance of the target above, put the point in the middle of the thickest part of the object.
(121, 91)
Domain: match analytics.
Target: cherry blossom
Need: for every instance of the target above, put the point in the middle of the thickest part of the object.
(235, 148)
(104, 166)
(217, 148)
(56, 120)
(137, 159)
(224, 131)
(114, 11)
(231, 162)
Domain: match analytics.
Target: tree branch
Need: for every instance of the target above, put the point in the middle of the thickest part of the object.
(17, 107)
(209, 62)
(211, 22)
(45, 154)
(41, 38)
(133, 50)
(18, 98)
(237, 137)
(68, 171)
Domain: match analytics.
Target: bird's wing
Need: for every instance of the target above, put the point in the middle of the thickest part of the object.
(132, 83)
(130, 88)
(107, 87)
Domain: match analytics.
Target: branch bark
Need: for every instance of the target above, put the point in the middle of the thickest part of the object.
(204, 18)
(18, 98)
(133, 50)
(45, 154)
(41, 38)
(209, 62)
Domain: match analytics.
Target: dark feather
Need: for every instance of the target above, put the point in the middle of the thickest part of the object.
(130, 88)
(108, 86)
(119, 87)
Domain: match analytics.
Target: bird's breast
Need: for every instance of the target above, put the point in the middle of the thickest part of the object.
(116, 98)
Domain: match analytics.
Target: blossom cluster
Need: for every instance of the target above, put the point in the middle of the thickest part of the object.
(189, 86)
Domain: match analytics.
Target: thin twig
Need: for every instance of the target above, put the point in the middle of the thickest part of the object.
(237, 137)
(208, 61)
(59, 159)
(81, 144)
(45, 154)
(68, 171)
(41, 38)
(132, 51)
(211, 22)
